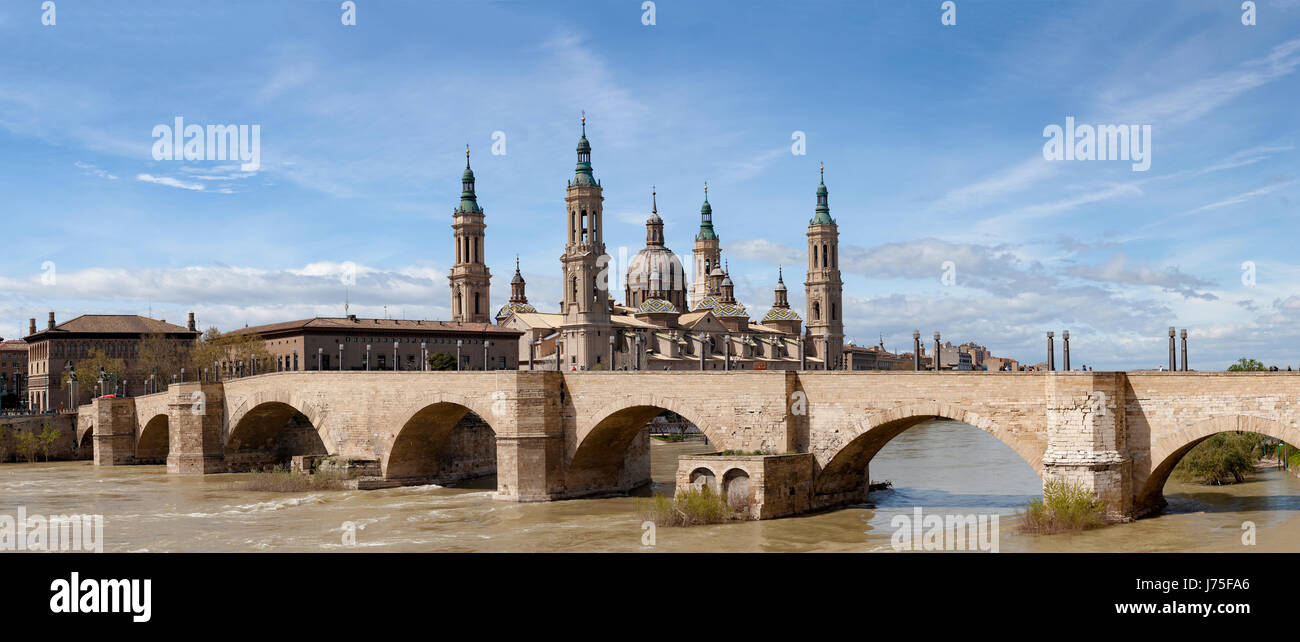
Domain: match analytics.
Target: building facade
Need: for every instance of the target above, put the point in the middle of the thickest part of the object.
(667, 321)
(52, 352)
(13, 374)
(353, 343)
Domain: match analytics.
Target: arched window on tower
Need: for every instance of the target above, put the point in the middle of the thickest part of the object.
(477, 309)
(825, 261)
(834, 312)
(817, 311)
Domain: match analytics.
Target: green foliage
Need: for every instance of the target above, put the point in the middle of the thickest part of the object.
(46, 438)
(1223, 458)
(1064, 507)
(28, 445)
(1246, 365)
(742, 453)
(88, 371)
(691, 507)
(4, 444)
(442, 361)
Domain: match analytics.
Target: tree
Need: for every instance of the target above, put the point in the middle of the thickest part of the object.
(88, 371)
(1246, 365)
(1223, 458)
(48, 436)
(442, 361)
(227, 348)
(161, 357)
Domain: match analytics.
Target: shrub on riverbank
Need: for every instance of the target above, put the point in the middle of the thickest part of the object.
(1062, 508)
(1223, 458)
(691, 507)
(283, 481)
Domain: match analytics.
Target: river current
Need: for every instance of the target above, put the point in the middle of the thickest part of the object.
(940, 466)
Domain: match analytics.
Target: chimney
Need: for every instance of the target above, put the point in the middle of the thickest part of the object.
(31, 326)
(51, 321)
(190, 325)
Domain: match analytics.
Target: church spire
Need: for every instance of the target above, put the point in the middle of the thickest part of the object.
(654, 226)
(468, 200)
(583, 174)
(706, 219)
(823, 215)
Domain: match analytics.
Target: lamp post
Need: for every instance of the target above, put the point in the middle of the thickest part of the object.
(367, 357)
(395, 361)
(636, 364)
(487, 344)
(320, 359)
(295, 359)
(937, 352)
(726, 347)
(340, 357)
(916, 350)
(459, 343)
(532, 349)
(424, 356)
(611, 353)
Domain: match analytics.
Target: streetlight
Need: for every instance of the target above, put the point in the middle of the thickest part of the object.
(636, 364)
(424, 356)
(486, 344)
(320, 359)
(611, 353)
(726, 364)
(396, 362)
(459, 342)
(340, 357)
(367, 357)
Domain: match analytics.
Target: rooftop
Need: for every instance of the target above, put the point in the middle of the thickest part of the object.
(354, 324)
(113, 324)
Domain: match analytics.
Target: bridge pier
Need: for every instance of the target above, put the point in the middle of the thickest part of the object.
(1086, 438)
(530, 438)
(114, 431)
(194, 422)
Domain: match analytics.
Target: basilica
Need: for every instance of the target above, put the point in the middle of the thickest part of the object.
(665, 321)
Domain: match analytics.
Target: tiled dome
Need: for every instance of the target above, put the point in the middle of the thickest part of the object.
(709, 302)
(730, 310)
(655, 305)
(510, 308)
(781, 314)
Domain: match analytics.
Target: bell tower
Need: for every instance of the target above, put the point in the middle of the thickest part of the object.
(470, 280)
(708, 253)
(823, 288)
(586, 306)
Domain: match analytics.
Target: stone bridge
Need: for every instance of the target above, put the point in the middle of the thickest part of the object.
(802, 440)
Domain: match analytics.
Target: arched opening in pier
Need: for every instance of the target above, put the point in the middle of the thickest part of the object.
(933, 461)
(86, 445)
(151, 448)
(269, 436)
(1220, 471)
(634, 450)
(444, 443)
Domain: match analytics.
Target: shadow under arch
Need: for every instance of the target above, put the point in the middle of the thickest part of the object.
(843, 480)
(86, 444)
(152, 446)
(270, 434)
(614, 455)
(443, 442)
(1171, 448)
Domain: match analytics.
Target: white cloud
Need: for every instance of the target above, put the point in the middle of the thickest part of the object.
(169, 181)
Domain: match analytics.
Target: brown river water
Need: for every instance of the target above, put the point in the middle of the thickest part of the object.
(943, 467)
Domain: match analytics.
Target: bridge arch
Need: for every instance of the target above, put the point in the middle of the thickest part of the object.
(86, 437)
(442, 439)
(1169, 449)
(604, 460)
(262, 431)
(842, 464)
(151, 445)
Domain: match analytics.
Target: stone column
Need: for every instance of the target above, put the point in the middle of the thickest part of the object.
(1183, 335)
(1173, 358)
(1065, 349)
(1087, 438)
(195, 421)
(1051, 351)
(530, 437)
(114, 436)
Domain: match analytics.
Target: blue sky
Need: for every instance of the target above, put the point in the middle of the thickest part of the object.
(932, 138)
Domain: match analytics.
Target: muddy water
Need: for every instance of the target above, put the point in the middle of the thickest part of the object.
(943, 467)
